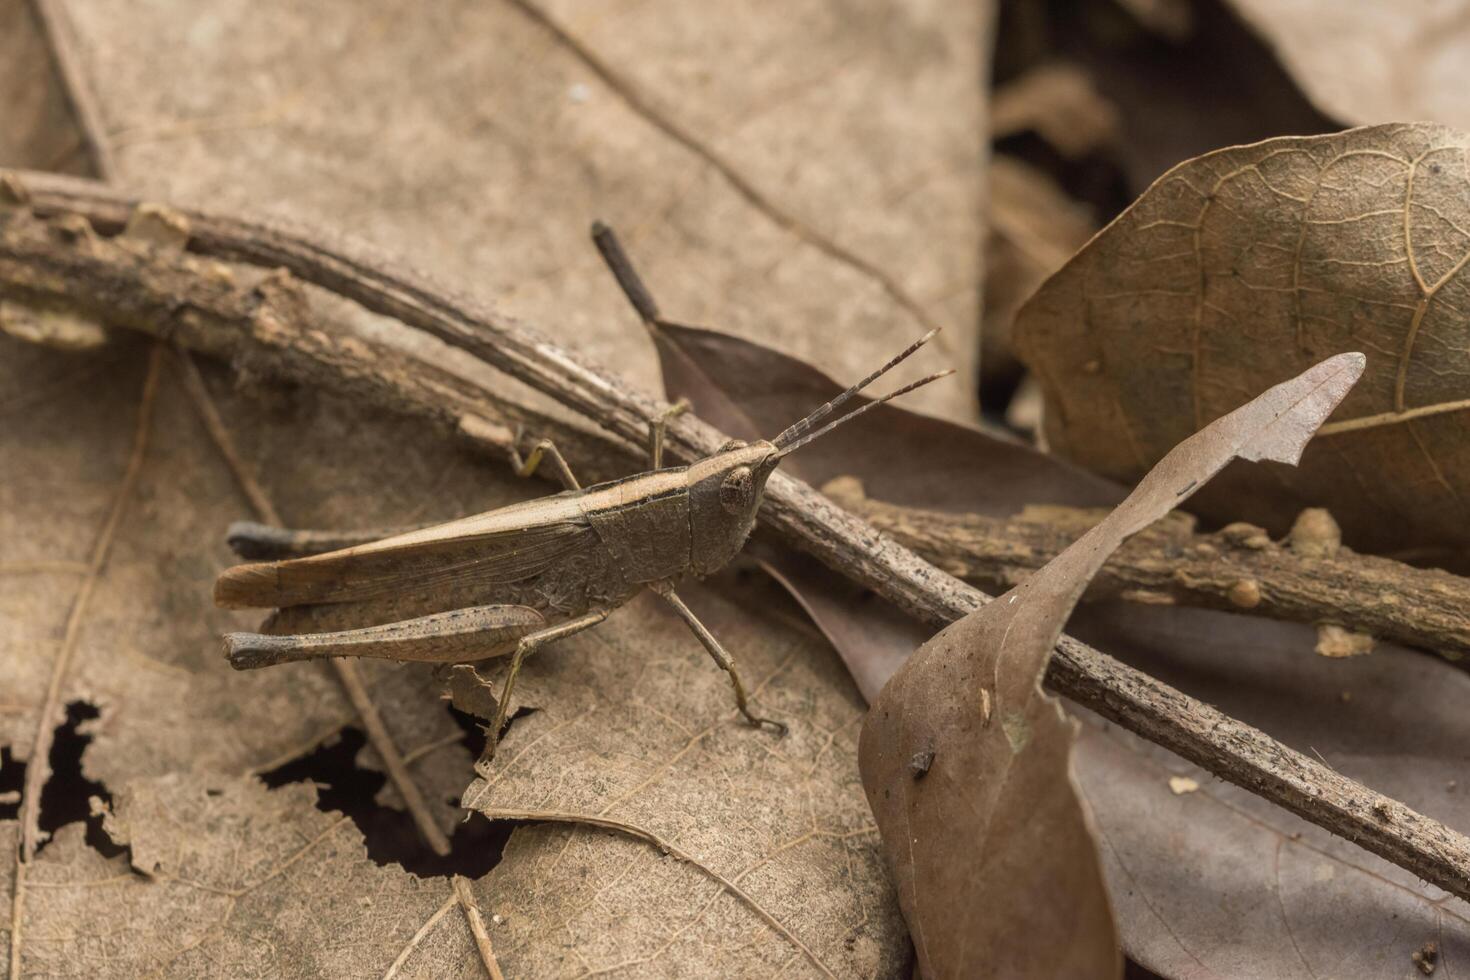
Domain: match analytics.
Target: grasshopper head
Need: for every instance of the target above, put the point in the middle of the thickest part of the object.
(725, 489)
(724, 494)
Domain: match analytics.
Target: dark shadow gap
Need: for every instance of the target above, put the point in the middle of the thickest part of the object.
(390, 835)
(12, 780)
(66, 796)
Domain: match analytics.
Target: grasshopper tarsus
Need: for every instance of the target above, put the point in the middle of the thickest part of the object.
(525, 646)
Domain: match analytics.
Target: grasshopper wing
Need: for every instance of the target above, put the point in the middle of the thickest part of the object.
(477, 551)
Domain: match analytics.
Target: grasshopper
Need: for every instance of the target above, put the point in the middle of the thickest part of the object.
(512, 580)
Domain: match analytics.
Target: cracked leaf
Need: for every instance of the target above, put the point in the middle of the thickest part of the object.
(1244, 266)
(145, 650)
(988, 840)
(226, 878)
(399, 148)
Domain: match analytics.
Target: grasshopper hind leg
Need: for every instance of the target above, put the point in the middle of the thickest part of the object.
(723, 659)
(448, 637)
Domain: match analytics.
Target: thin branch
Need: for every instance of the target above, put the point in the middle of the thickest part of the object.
(1236, 569)
(420, 936)
(477, 927)
(179, 298)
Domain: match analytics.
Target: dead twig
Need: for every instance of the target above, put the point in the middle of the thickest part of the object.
(54, 261)
(1304, 579)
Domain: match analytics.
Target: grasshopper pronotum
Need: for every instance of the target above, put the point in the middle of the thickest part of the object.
(513, 579)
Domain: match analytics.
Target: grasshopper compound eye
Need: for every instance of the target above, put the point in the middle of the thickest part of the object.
(736, 490)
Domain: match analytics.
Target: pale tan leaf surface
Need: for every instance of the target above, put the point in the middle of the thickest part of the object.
(967, 763)
(225, 878)
(1244, 266)
(1367, 63)
(1217, 883)
(775, 164)
(777, 867)
(146, 651)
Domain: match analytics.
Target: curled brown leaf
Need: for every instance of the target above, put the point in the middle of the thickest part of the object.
(1245, 266)
(967, 763)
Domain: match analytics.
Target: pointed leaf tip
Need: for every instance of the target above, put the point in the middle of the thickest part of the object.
(1303, 404)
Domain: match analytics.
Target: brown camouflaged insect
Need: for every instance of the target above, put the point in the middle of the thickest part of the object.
(513, 579)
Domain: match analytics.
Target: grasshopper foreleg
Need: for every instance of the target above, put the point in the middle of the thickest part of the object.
(543, 449)
(656, 429)
(524, 648)
(725, 661)
(448, 637)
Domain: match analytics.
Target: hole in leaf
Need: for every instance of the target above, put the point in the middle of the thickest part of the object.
(66, 796)
(12, 779)
(345, 787)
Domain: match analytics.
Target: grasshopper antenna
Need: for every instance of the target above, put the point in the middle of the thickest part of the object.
(798, 429)
(622, 269)
(790, 447)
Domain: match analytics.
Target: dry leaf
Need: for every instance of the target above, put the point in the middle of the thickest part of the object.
(1219, 883)
(423, 152)
(144, 655)
(1368, 62)
(773, 166)
(225, 878)
(1244, 266)
(148, 656)
(967, 764)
